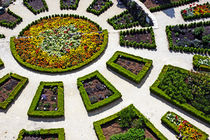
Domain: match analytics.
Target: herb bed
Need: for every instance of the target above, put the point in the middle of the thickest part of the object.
(201, 63)
(36, 6)
(69, 4)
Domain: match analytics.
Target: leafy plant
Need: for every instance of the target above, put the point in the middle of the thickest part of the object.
(126, 118)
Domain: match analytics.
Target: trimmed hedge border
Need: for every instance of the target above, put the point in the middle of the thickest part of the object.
(34, 11)
(198, 66)
(32, 112)
(2, 36)
(134, 43)
(188, 108)
(182, 48)
(99, 131)
(195, 16)
(89, 107)
(11, 25)
(57, 131)
(172, 126)
(107, 5)
(126, 73)
(1, 63)
(19, 87)
(66, 7)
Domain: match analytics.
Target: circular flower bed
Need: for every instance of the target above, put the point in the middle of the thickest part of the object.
(59, 43)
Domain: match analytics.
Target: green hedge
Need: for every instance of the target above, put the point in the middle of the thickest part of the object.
(188, 108)
(34, 11)
(66, 7)
(19, 87)
(2, 36)
(172, 126)
(1, 63)
(89, 107)
(199, 66)
(107, 5)
(56, 131)
(99, 131)
(135, 44)
(32, 112)
(11, 25)
(182, 48)
(126, 73)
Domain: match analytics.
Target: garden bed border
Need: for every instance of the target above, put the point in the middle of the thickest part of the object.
(1, 63)
(198, 66)
(72, 7)
(34, 11)
(2, 36)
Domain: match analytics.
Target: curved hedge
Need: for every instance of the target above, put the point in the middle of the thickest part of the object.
(34, 11)
(66, 7)
(199, 66)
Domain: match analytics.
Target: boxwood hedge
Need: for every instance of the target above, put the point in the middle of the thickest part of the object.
(99, 131)
(199, 66)
(1, 63)
(19, 87)
(36, 11)
(32, 112)
(2, 36)
(67, 7)
(89, 107)
(126, 73)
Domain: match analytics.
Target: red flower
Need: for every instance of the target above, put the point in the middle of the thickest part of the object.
(176, 117)
(184, 11)
(190, 5)
(184, 122)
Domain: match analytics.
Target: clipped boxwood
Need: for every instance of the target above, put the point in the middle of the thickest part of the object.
(126, 73)
(11, 25)
(107, 5)
(185, 106)
(135, 44)
(2, 36)
(19, 87)
(32, 112)
(55, 131)
(67, 7)
(99, 131)
(89, 107)
(198, 66)
(172, 126)
(36, 11)
(1, 63)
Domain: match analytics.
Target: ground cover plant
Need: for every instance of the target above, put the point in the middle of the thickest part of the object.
(36, 6)
(141, 38)
(195, 12)
(96, 91)
(2, 36)
(43, 134)
(130, 66)
(1, 63)
(69, 4)
(182, 127)
(48, 100)
(97, 7)
(9, 19)
(128, 124)
(10, 86)
(186, 89)
(194, 37)
(59, 43)
(201, 63)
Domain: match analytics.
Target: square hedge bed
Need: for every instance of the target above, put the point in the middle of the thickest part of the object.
(180, 127)
(36, 6)
(12, 84)
(201, 63)
(135, 124)
(94, 101)
(48, 100)
(1, 63)
(69, 4)
(43, 133)
(137, 78)
(186, 89)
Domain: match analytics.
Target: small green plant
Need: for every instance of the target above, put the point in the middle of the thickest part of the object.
(93, 99)
(198, 31)
(206, 39)
(126, 117)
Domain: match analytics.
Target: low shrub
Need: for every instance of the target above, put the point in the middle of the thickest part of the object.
(2, 36)
(1, 63)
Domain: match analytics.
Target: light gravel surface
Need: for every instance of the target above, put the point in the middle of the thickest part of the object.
(78, 124)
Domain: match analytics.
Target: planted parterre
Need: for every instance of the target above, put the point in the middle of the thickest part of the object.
(42, 134)
(130, 66)
(138, 38)
(196, 11)
(2, 36)
(98, 7)
(96, 91)
(189, 38)
(48, 100)
(128, 124)
(10, 86)
(69, 4)
(201, 63)
(59, 43)
(186, 89)
(9, 19)
(1, 63)
(183, 128)
(36, 6)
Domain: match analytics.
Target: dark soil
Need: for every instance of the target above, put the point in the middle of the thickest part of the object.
(36, 4)
(69, 2)
(96, 90)
(146, 38)
(7, 87)
(7, 17)
(41, 137)
(129, 64)
(125, 19)
(97, 6)
(48, 99)
(150, 134)
(155, 3)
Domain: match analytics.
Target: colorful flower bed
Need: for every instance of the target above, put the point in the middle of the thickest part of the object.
(183, 128)
(59, 43)
(198, 11)
(201, 63)
(36, 6)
